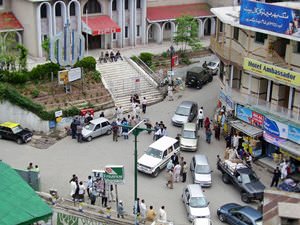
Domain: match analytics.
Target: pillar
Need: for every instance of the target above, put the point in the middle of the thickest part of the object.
(269, 90)
(143, 24)
(120, 9)
(132, 9)
(231, 76)
(110, 15)
(291, 96)
(249, 84)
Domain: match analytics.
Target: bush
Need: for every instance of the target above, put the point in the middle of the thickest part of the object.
(135, 58)
(43, 71)
(164, 54)
(96, 75)
(88, 63)
(15, 77)
(146, 57)
(35, 93)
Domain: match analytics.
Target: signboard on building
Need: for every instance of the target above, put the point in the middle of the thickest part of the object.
(226, 100)
(114, 174)
(275, 128)
(257, 119)
(285, 76)
(270, 17)
(294, 134)
(243, 113)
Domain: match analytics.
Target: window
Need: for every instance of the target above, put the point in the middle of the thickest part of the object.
(97, 127)
(221, 27)
(1, 2)
(168, 26)
(260, 37)
(126, 4)
(104, 124)
(58, 10)
(137, 30)
(138, 4)
(72, 10)
(298, 47)
(114, 5)
(44, 11)
(236, 33)
(126, 31)
(92, 6)
(114, 36)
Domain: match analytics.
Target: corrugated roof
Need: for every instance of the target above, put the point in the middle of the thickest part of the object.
(8, 21)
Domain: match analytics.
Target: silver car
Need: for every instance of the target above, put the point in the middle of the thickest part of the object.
(189, 137)
(201, 171)
(95, 128)
(213, 66)
(185, 112)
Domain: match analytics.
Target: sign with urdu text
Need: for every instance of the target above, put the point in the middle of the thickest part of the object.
(285, 76)
(114, 174)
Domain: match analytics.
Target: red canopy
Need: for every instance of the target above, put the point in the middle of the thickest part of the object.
(171, 12)
(8, 21)
(97, 25)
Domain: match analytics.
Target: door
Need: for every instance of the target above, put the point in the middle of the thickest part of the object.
(97, 131)
(235, 218)
(104, 128)
(165, 158)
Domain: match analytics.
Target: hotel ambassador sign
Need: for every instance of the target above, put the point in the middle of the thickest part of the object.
(285, 76)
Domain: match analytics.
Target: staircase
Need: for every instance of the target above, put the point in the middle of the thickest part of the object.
(123, 80)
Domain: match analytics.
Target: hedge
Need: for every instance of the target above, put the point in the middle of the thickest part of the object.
(88, 63)
(146, 57)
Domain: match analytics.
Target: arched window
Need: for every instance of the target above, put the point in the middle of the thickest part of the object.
(58, 10)
(72, 9)
(114, 5)
(92, 6)
(44, 11)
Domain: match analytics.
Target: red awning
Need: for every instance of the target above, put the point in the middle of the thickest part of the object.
(97, 25)
(172, 12)
(8, 21)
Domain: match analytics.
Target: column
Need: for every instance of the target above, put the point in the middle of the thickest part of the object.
(249, 84)
(110, 15)
(143, 25)
(291, 95)
(269, 90)
(231, 76)
(120, 11)
(131, 21)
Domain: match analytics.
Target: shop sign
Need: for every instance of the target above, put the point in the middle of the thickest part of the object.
(275, 128)
(257, 119)
(273, 140)
(243, 113)
(294, 134)
(270, 17)
(227, 100)
(114, 174)
(282, 75)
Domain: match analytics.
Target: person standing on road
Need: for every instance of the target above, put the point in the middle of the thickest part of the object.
(170, 179)
(143, 209)
(162, 215)
(208, 134)
(120, 210)
(81, 191)
(89, 185)
(174, 158)
(115, 130)
(276, 177)
(79, 132)
(184, 172)
(170, 93)
(73, 127)
(200, 118)
(125, 129)
(177, 170)
(144, 105)
(151, 214)
(206, 123)
(235, 141)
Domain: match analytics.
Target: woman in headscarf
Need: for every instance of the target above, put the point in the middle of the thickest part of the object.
(206, 123)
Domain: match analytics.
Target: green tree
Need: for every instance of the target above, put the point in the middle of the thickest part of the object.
(187, 33)
(22, 57)
(46, 47)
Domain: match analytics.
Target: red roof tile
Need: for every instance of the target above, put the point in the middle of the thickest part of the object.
(8, 21)
(171, 12)
(101, 24)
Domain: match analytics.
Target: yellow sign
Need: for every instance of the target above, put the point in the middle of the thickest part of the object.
(270, 71)
(63, 76)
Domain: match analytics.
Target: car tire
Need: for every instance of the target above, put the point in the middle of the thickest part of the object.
(210, 79)
(199, 86)
(225, 178)
(19, 141)
(108, 132)
(222, 217)
(156, 172)
(245, 198)
(89, 138)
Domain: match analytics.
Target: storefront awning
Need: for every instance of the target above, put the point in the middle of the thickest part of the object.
(97, 25)
(9, 22)
(172, 12)
(291, 148)
(246, 128)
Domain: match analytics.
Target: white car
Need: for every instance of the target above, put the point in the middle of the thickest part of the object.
(95, 128)
(158, 155)
(213, 66)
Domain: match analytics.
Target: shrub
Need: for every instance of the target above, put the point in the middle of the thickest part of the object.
(43, 71)
(164, 54)
(88, 63)
(35, 93)
(146, 57)
(134, 58)
(15, 77)
(96, 75)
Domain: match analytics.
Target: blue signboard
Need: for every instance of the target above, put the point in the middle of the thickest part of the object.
(275, 128)
(294, 134)
(244, 113)
(270, 17)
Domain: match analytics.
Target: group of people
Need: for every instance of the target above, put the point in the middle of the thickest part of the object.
(206, 123)
(138, 106)
(176, 170)
(280, 173)
(77, 125)
(110, 57)
(31, 168)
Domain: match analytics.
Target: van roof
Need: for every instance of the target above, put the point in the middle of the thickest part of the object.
(163, 143)
(195, 190)
(189, 126)
(200, 157)
(98, 120)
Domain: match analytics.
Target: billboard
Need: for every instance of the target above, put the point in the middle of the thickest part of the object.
(270, 17)
(66, 76)
(249, 116)
(276, 128)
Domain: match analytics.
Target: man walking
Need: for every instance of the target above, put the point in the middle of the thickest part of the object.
(177, 170)
(115, 130)
(170, 179)
(144, 105)
(200, 118)
(276, 177)
(162, 215)
(184, 172)
(151, 214)
(143, 210)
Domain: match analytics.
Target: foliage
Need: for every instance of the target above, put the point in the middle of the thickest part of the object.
(96, 75)
(184, 59)
(187, 31)
(8, 50)
(43, 71)
(46, 47)
(164, 54)
(146, 57)
(22, 57)
(14, 77)
(35, 93)
(87, 63)
(134, 58)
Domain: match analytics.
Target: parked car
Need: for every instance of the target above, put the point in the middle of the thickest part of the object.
(185, 112)
(14, 131)
(236, 214)
(189, 137)
(202, 221)
(196, 77)
(95, 128)
(201, 171)
(213, 67)
(158, 155)
(195, 202)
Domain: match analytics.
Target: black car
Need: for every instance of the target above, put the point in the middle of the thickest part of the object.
(197, 77)
(13, 131)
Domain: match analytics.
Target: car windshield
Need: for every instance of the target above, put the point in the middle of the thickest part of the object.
(211, 64)
(248, 178)
(17, 129)
(154, 153)
(188, 134)
(259, 221)
(202, 169)
(198, 202)
(90, 126)
(182, 111)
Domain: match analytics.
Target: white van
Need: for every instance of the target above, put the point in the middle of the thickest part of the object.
(158, 155)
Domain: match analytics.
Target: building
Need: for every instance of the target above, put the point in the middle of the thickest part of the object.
(260, 72)
(105, 23)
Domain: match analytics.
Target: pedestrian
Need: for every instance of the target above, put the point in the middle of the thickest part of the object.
(118, 121)
(228, 141)
(200, 118)
(30, 166)
(93, 196)
(144, 105)
(170, 179)
(73, 127)
(115, 130)
(73, 187)
(208, 134)
(151, 214)
(177, 169)
(235, 141)
(111, 197)
(217, 130)
(143, 209)
(119, 112)
(120, 210)
(74, 177)
(206, 123)
(88, 118)
(181, 164)
(102, 114)
(160, 133)
(104, 197)
(174, 158)
(89, 185)
(170, 93)
(170, 165)
(137, 111)
(184, 172)
(79, 132)
(276, 177)
(81, 192)
(283, 169)
(125, 129)
(156, 128)
(162, 215)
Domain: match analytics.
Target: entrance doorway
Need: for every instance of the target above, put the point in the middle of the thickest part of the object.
(94, 42)
(279, 46)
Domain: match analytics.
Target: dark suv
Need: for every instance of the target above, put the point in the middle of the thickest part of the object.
(13, 131)
(197, 77)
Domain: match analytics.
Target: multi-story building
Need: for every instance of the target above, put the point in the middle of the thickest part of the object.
(259, 49)
(104, 23)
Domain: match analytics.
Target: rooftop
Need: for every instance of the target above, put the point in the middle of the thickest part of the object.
(8, 21)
